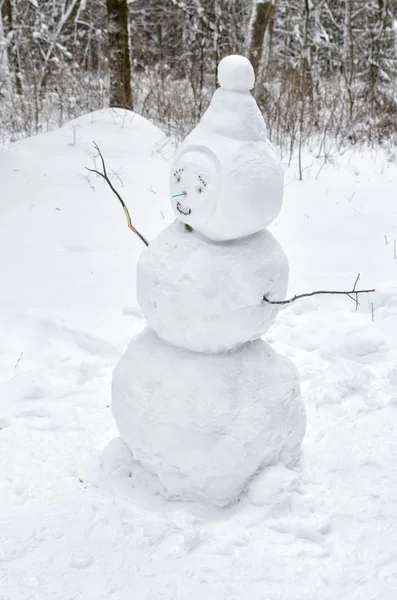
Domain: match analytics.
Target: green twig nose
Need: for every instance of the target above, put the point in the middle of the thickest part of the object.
(176, 195)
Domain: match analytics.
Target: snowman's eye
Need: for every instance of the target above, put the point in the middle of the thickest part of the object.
(200, 190)
(178, 174)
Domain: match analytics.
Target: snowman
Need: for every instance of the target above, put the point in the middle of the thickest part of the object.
(200, 399)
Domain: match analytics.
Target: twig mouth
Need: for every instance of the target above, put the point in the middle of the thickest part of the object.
(182, 209)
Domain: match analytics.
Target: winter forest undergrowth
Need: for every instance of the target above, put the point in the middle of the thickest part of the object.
(325, 70)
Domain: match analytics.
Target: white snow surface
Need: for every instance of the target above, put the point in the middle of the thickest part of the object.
(207, 296)
(78, 519)
(204, 424)
(226, 179)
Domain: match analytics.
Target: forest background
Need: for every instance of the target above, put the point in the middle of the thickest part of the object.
(325, 69)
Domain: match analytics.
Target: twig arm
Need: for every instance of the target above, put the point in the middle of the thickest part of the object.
(105, 176)
(345, 293)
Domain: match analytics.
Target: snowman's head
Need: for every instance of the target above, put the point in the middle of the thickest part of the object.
(226, 179)
(194, 186)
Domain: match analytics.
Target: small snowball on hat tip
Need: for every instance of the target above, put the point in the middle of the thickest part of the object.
(236, 74)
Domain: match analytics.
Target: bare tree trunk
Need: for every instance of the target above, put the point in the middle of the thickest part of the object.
(4, 68)
(306, 67)
(306, 82)
(217, 20)
(349, 65)
(119, 54)
(261, 20)
(6, 13)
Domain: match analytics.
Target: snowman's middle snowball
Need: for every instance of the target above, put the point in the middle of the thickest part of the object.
(207, 296)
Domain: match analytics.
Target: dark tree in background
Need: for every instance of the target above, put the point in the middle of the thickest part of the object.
(6, 10)
(326, 70)
(119, 54)
(262, 20)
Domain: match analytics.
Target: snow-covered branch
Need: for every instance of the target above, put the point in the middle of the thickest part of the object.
(66, 12)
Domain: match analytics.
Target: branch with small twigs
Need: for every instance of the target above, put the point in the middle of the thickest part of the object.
(105, 176)
(348, 293)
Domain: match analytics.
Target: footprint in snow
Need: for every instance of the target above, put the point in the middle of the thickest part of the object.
(388, 569)
(135, 311)
(4, 423)
(39, 413)
(75, 248)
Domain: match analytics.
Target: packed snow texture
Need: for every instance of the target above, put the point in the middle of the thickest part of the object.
(72, 528)
(236, 187)
(207, 296)
(204, 424)
(236, 73)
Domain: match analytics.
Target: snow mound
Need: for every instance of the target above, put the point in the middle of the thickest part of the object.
(82, 270)
(204, 424)
(205, 296)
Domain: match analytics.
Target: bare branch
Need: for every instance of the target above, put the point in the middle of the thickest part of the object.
(355, 283)
(18, 361)
(105, 176)
(345, 293)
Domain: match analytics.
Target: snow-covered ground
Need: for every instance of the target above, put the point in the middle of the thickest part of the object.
(77, 520)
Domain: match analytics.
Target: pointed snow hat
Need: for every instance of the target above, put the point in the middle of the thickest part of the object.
(226, 179)
(233, 111)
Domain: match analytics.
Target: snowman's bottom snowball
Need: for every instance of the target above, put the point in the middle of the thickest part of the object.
(205, 423)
